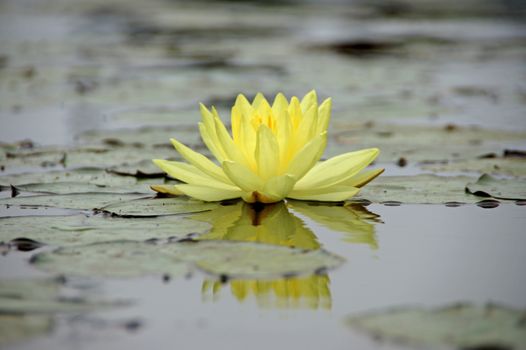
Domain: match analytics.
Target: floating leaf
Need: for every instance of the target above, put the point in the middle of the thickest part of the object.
(82, 201)
(112, 259)
(158, 207)
(460, 326)
(222, 258)
(22, 327)
(498, 166)
(418, 143)
(418, 189)
(488, 186)
(79, 229)
(79, 187)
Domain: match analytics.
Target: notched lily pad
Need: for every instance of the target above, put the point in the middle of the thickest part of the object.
(489, 186)
(158, 207)
(81, 201)
(79, 229)
(419, 189)
(221, 258)
(463, 326)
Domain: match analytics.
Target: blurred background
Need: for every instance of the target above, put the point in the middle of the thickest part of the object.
(67, 66)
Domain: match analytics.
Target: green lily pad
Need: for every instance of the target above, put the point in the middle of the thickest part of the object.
(249, 260)
(221, 258)
(158, 207)
(144, 137)
(83, 156)
(460, 326)
(22, 327)
(497, 166)
(144, 168)
(81, 201)
(42, 296)
(488, 186)
(79, 187)
(417, 143)
(79, 229)
(121, 259)
(418, 189)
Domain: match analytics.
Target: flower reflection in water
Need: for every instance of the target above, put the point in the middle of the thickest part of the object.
(275, 224)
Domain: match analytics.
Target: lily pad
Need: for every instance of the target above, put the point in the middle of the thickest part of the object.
(79, 229)
(419, 189)
(78, 187)
(417, 143)
(122, 259)
(497, 166)
(81, 201)
(158, 207)
(221, 258)
(489, 186)
(19, 327)
(249, 260)
(144, 137)
(460, 326)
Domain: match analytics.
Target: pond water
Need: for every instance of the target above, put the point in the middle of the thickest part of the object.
(429, 255)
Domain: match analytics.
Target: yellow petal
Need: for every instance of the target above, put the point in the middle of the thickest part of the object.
(363, 178)
(267, 153)
(280, 104)
(211, 142)
(207, 193)
(337, 169)
(166, 189)
(307, 157)
(330, 194)
(242, 177)
(307, 127)
(309, 100)
(324, 115)
(200, 162)
(232, 152)
(295, 111)
(189, 174)
(278, 187)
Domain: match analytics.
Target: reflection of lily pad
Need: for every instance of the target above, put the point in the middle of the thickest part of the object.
(419, 189)
(79, 229)
(489, 186)
(501, 166)
(158, 206)
(222, 258)
(460, 326)
(83, 201)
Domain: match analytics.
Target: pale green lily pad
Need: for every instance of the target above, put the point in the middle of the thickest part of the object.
(460, 326)
(159, 206)
(22, 327)
(249, 260)
(82, 201)
(144, 168)
(417, 143)
(144, 137)
(79, 229)
(83, 156)
(37, 296)
(80, 187)
(419, 189)
(122, 259)
(497, 166)
(489, 186)
(221, 258)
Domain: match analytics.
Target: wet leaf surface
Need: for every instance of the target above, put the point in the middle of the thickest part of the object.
(463, 326)
(79, 229)
(495, 166)
(23, 327)
(81, 201)
(220, 258)
(418, 189)
(490, 186)
(158, 206)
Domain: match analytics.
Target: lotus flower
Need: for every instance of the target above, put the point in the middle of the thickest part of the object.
(272, 153)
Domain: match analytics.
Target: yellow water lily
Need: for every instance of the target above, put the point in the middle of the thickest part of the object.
(272, 153)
